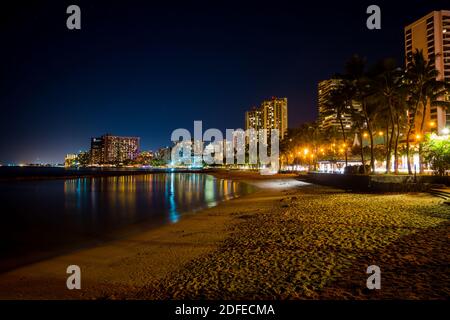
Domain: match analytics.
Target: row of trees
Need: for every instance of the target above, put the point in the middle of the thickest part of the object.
(83, 159)
(385, 99)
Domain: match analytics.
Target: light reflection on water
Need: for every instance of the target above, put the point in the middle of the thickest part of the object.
(44, 214)
(134, 198)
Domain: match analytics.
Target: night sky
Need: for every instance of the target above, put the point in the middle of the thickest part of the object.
(145, 68)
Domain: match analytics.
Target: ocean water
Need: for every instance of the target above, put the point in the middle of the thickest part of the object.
(42, 218)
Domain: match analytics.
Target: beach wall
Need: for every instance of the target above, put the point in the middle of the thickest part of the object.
(378, 183)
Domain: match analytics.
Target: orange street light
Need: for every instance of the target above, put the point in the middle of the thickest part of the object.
(380, 133)
(432, 124)
(365, 135)
(418, 137)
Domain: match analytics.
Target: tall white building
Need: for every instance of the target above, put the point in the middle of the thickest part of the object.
(431, 34)
(273, 114)
(327, 121)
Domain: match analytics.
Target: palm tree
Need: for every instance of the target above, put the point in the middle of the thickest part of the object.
(363, 92)
(424, 90)
(359, 127)
(387, 85)
(401, 120)
(307, 135)
(339, 103)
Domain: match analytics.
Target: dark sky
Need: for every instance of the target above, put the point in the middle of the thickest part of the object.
(145, 68)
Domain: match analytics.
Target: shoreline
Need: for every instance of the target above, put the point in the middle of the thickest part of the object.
(287, 240)
(67, 174)
(99, 172)
(83, 243)
(142, 258)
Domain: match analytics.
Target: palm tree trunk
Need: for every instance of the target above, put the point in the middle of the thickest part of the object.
(421, 168)
(369, 128)
(410, 126)
(344, 137)
(389, 150)
(372, 155)
(389, 146)
(362, 153)
(397, 136)
(408, 159)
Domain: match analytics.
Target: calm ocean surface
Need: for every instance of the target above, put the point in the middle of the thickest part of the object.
(44, 217)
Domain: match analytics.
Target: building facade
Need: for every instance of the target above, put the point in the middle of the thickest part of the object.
(431, 34)
(97, 151)
(325, 120)
(273, 114)
(254, 119)
(109, 149)
(163, 154)
(70, 160)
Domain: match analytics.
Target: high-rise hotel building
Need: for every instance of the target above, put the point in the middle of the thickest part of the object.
(431, 34)
(254, 119)
(272, 114)
(327, 121)
(109, 149)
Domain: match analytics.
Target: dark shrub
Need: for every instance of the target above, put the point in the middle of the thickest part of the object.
(351, 170)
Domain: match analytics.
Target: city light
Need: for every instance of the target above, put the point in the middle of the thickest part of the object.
(322, 209)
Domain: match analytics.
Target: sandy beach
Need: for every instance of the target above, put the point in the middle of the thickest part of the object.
(288, 240)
